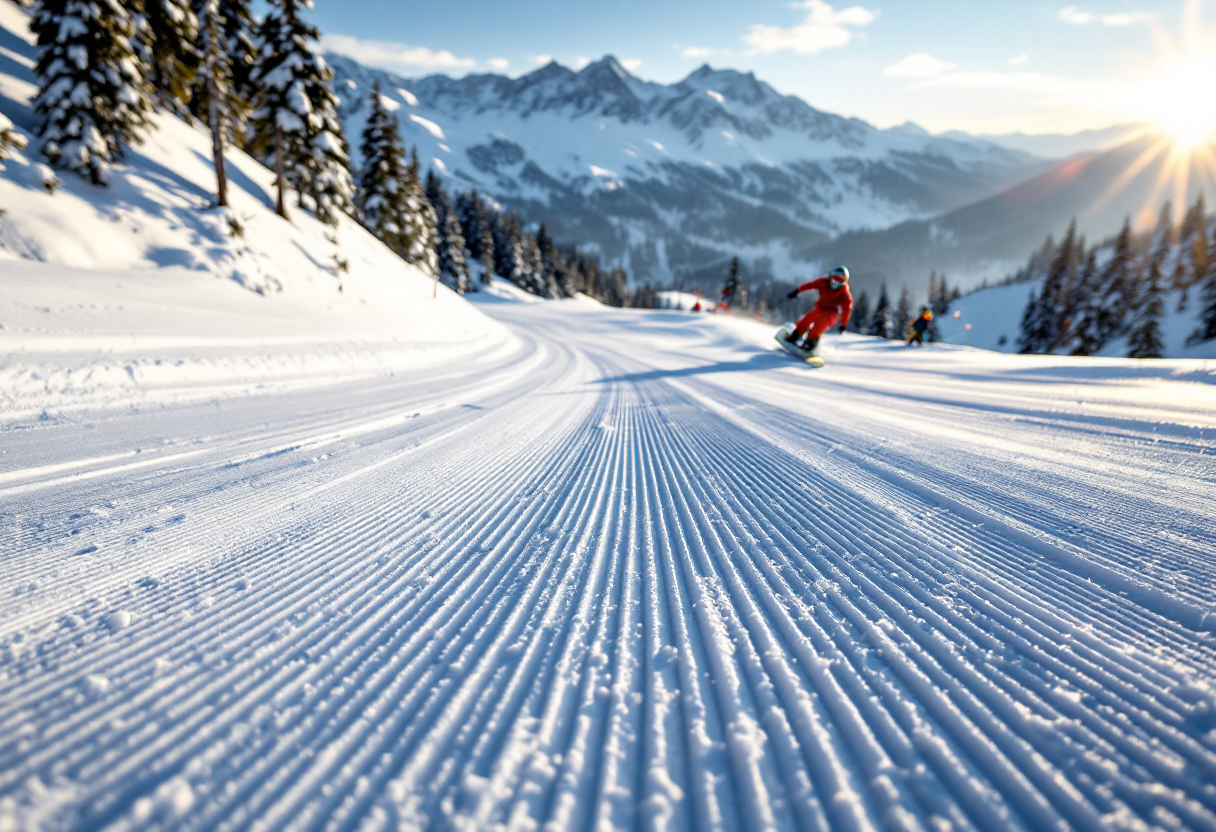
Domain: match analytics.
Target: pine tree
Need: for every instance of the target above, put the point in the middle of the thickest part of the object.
(1118, 286)
(235, 43)
(475, 225)
(453, 269)
(880, 323)
(730, 291)
(1144, 341)
(167, 31)
(437, 196)
(1192, 263)
(903, 314)
(1054, 309)
(1028, 340)
(537, 282)
(224, 108)
(421, 227)
(382, 182)
(92, 100)
(296, 120)
(939, 303)
(1206, 330)
(861, 313)
(10, 139)
(449, 244)
(1086, 335)
(509, 249)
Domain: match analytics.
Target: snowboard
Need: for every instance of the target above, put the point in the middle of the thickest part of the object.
(796, 351)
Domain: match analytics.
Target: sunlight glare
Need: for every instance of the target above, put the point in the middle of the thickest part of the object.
(1183, 101)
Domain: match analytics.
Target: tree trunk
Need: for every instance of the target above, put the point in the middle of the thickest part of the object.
(217, 141)
(281, 207)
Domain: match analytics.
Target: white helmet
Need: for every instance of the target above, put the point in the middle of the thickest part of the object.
(838, 276)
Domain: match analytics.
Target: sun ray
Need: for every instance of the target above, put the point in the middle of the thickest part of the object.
(1146, 158)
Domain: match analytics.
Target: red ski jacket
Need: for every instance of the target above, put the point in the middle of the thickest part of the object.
(831, 299)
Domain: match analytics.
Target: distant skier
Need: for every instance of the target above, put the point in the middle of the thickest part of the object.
(918, 326)
(732, 286)
(835, 300)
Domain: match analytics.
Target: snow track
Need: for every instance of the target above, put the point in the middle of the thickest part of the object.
(656, 580)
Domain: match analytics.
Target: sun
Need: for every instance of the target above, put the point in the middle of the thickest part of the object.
(1182, 101)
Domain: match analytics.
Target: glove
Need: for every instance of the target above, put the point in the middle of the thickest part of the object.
(792, 294)
(843, 325)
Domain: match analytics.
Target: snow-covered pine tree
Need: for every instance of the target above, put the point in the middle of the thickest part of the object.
(1144, 340)
(1118, 286)
(1054, 309)
(861, 313)
(421, 228)
(903, 314)
(1028, 340)
(1206, 330)
(880, 323)
(514, 253)
(235, 44)
(1085, 330)
(553, 263)
(1192, 263)
(382, 182)
(538, 282)
(92, 100)
(214, 80)
(296, 120)
(10, 139)
(449, 242)
(475, 225)
(453, 269)
(437, 196)
(166, 34)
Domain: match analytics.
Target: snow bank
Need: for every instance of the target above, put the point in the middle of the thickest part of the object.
(143, 289)
(995, 316)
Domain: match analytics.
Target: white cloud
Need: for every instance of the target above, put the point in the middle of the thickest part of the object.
(919, 65)
(1073, 15)
(1070, 14)
(499, 64)
(632, 64)
(824, 28)
(1018, 60)
(581, 62)
(395, 54)
(695, 52)
(540, 59)
(1044, 90)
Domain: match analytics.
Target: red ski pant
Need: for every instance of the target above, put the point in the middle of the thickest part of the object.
(818, 321)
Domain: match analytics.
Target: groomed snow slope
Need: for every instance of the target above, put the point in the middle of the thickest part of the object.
(645, 572)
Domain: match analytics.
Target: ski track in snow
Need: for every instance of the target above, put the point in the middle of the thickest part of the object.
(628, 577)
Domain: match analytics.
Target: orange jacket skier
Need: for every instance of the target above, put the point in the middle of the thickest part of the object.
(835, 299)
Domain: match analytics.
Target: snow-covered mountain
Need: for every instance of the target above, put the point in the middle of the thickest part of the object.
(674, 179)
(1059, 145)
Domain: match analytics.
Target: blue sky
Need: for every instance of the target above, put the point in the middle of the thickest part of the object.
(977, 65)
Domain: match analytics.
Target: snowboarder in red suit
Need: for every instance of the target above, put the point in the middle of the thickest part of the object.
(835, 300)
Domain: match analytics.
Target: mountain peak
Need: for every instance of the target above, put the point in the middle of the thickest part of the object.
(607, 63)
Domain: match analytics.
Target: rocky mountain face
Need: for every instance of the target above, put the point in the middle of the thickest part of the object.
(674, 180)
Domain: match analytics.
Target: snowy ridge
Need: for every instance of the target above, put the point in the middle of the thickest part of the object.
(670, 178)
(621, 578)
